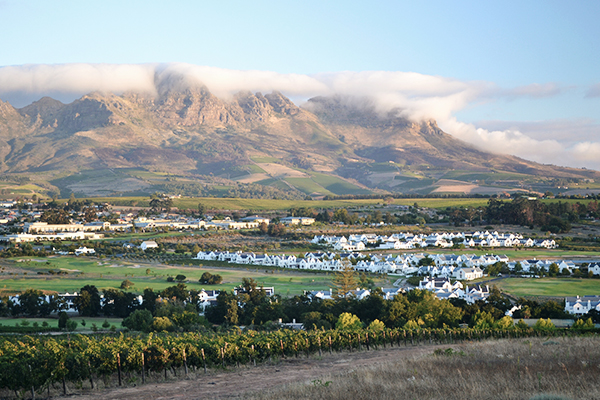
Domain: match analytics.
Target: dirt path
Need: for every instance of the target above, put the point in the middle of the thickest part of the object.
(245, 380)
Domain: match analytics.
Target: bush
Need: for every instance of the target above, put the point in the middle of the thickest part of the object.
(209, 279)
(348, 321)
(62, 320)
(126, 284)
(139, 320)
(106, 324)
(162, 324)
(71, 325)
(544, 325)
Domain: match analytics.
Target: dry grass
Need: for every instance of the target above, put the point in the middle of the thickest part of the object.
(561, 368)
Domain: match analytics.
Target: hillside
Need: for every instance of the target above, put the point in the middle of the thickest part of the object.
(192, 142)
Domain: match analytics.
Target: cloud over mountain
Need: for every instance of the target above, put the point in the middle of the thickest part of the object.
(411, 95)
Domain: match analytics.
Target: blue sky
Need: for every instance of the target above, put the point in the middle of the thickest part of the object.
(525, 71)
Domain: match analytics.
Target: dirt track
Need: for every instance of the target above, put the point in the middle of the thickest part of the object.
(244, 380)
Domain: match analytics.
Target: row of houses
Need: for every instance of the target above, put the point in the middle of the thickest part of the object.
(398, 241)
(444, 288)
(405, 264)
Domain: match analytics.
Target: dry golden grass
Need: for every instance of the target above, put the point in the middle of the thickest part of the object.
(560, 368)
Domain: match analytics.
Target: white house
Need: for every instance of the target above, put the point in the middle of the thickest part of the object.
(84, 250)
(467, 274)
(581, 305)
(148, 244)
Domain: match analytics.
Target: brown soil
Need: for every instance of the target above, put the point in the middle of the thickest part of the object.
(238, 382)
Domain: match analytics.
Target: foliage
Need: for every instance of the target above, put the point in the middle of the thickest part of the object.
(345, 281)
(544, 325)
(348, 321)
(210, 279)
(139, 320)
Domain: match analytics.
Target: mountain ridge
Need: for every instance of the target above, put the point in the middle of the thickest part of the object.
(193, 133)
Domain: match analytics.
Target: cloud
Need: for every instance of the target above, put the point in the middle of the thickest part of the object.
(409, 94)
(534, 90)
(513, 141)
(593, 91)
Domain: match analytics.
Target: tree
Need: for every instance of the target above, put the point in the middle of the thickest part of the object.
(126, 284)
(376, 325)
(180, 278)
(119, 303)
(31, 302)
(263, 227)
(71, 325)
(201, 209)
(276, 229)
(178, 292)
(63, 317)
(344, 281)
(88, 301)
(544, 325)
(553, 269)
(348, 321)
(139, 320)
(162, 324)
(209, 279)
(180, 248)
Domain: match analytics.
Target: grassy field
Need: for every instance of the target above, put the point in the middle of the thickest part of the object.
(549, 287)
(106, 274)
(535, 369)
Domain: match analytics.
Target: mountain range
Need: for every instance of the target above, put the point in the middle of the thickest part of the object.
(193, 142)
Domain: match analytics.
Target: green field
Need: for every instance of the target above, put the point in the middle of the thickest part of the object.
(308, 186)
(106, 274)
(549, 287)
(337, 185)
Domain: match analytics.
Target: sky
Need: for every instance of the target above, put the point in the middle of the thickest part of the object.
(515, 77)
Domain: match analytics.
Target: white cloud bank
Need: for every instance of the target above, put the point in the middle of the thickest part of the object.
(416, 96)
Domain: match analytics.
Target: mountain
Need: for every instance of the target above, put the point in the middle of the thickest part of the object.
(193, 142)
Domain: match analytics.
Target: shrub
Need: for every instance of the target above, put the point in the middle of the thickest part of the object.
(162, 324)
(348, 321)
(71, 325)
(62, 320)
(139, 320)
(544, 325)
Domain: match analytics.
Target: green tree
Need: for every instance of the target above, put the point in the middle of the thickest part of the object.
(344, 281)
(544, 325)
(63, 317)
(162, 324)
(376, 325)
(348, 321)
(88, 301)
(126, 284)
(139, 320)
(71, 325)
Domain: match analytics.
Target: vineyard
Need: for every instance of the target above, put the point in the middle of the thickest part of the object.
(38, 365)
